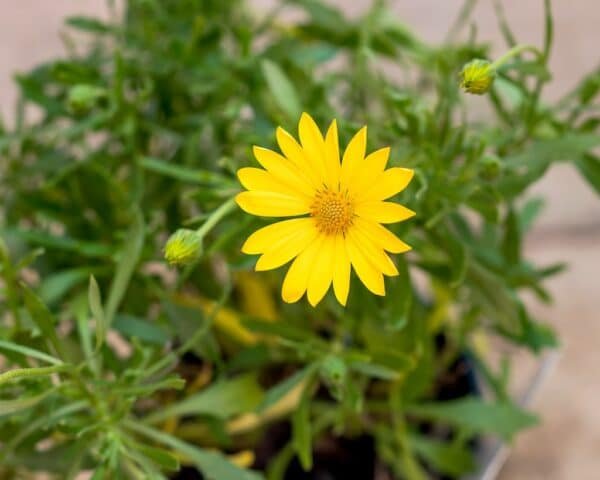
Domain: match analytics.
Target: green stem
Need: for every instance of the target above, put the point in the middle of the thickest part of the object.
(31, 372)
(216, 216)
(515, 51)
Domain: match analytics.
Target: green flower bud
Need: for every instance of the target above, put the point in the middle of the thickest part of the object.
(82, 98)
(491, 167)
(183, 247)
(333, 371)
(477, 77)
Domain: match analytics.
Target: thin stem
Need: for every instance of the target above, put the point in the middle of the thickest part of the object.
(216, 216)
(515, 51)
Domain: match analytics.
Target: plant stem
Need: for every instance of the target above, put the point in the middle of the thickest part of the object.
(515, 51)
(216, 216)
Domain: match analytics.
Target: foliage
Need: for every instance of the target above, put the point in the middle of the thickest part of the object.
(117, 363)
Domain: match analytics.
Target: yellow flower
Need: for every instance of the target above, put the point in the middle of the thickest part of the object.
(477, 76)
(345, 207)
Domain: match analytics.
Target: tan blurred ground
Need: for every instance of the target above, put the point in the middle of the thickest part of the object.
(567, 445)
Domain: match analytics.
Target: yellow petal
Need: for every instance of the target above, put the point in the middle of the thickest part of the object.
(296, 279)
(332, 156)
(262, 240)
(341, 270)
(269, 204)
(381, 236)
(383, 212)
(353, 156)
(313, 144)
(286, 248)
(262, 180)
(283, 170)
(388, 184)
(371, 168)
(368, 274)
(375, 254)
(293, 151)
(322, 271)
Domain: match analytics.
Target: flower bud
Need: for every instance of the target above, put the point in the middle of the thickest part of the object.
(183, 247)
(490, 167)
(82, 98)
(477, 77)
(333, 371)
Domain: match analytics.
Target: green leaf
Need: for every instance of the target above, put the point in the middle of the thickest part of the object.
(95, 302)
(81, 247)
(589, 167)
(145, 330)
(42, 318)
(8, 407)
(29, 352)
(475, 415)
(54, 287)
(529, 212)
(302, 432)
(88, 24)
(511, 243)
(450, 459)
(128, 259)
(222, 399)
(277, 392)
(214, 466)
(185, 174)
(160, 456)
(282, 89)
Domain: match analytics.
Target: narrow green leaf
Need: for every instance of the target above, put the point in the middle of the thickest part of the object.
(475, 415)
(42, 318)
(214, 466)
(282, 89)
(446, 458)
(589, 167)
(29, 352)
(95, 302)
(160, 456)
(185, 174)
(281, 389)
(54, 287)
(145, 330)
(8, 407)
(511, 243)
(88, 24)
(128, 259)
(222, 399)
(302, 432)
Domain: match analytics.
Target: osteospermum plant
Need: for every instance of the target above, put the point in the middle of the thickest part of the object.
(136, 339)
(340, 202)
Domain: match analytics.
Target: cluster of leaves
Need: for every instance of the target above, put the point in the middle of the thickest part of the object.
(114, 364)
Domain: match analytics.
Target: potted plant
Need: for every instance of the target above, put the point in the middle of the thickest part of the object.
(158, 137)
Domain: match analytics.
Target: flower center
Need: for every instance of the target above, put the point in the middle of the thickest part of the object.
(333, 211)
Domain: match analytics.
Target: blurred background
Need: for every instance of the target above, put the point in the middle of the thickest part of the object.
(566, 445)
